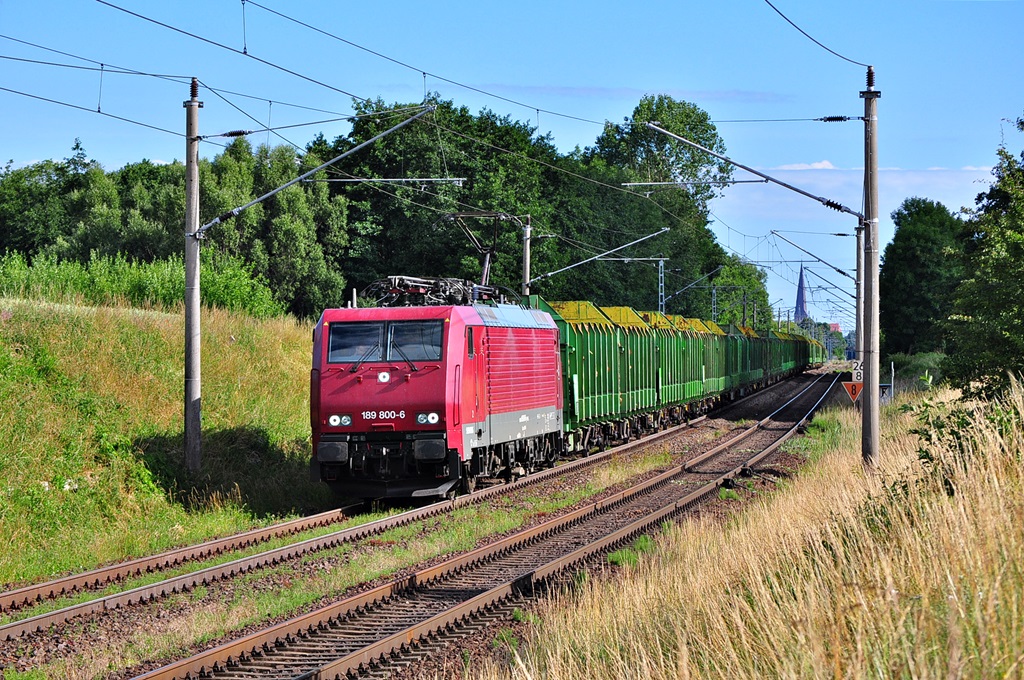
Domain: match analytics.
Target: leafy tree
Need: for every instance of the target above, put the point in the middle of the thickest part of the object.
(740, 288)
(94, 214)
(987, 324)
(32, 208)
(297, 271)
(152, 209)
(404, 228)
(651, 156)
(639, 154)
(917, 276)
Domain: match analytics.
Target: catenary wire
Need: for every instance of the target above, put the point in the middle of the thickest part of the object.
(101, 113)
(123, 70)
(806, 35)
(419, 70)
(232, 49)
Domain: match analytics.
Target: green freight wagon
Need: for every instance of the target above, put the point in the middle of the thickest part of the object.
(638, 366)
(676, 385)
(714, 365)
(746, 362)
(681, 375)
(592, 369)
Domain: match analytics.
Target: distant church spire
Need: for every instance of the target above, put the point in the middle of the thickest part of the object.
(801, 302)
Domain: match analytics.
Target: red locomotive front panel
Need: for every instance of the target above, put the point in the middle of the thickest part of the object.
(378, 402)
(409, 401)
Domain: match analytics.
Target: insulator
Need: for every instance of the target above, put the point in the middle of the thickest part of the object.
(871, 77)
(834, 119)
(834, 205)
(236, 133)
(195, 88)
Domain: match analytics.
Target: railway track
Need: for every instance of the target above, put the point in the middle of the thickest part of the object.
(16, 600)
(362, 631)
(29, 595)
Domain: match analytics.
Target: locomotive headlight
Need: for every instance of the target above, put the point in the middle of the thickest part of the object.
(427, 418)
(421, 418)
(346, 421)
(337, 420)
(432, 418)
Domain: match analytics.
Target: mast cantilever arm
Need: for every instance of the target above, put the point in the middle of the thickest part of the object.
(829, 203)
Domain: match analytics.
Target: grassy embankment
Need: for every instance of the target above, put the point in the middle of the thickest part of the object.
(917, 571)
(91, 444)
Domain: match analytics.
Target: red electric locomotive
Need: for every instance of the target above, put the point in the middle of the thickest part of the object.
(416, 400)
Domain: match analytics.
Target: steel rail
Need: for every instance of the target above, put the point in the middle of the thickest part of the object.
(255, 644)
(690, 464)
(96, 578)
(243, 565)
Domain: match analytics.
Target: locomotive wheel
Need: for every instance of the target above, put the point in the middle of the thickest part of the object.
(468, 482)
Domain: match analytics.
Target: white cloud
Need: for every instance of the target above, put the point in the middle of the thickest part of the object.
(817, 165)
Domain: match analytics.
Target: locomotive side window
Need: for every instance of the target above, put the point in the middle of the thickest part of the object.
(352, 342)
(470, 347)
(415, 340)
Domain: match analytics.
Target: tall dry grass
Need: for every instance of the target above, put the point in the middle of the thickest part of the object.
(913, 572)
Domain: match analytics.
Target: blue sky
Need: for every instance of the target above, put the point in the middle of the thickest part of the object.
(948, 71)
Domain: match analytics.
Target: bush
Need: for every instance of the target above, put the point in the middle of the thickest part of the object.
(225, 282)
(916, 371)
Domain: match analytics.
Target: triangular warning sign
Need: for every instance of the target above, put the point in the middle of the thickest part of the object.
(853, 389)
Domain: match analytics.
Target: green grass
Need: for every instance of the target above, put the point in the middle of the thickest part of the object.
(727, 494)
(226, 282)
(91, 445)
(630, 556)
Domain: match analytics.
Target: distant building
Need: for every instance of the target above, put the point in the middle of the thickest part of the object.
(835, 328)
(800, 313)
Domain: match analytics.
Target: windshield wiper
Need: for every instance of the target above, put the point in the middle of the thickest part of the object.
(398, 348)
(364, 357)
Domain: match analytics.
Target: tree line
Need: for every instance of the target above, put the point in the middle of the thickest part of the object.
(312, 243)
(953, 284)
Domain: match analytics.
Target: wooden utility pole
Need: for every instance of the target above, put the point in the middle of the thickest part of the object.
(193, 391)
(871, 394)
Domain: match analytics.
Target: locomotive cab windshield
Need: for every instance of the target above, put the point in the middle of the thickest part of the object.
(408, 341)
